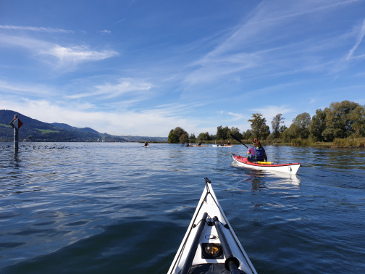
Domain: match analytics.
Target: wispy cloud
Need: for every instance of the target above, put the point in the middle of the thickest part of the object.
(105, 31)
(36, 29)
(22, 89)
(276, 52)
(235, 116)
(148, 122)
(65, 56)
(259, 43)
(24, 42)
(299, 8)
(76, 54)
(123, 19)
(269, 112)
(214, 68)
(360, 37)
(123, 86)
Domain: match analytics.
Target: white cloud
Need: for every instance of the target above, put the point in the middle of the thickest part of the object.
(235, 116)
(299, 8)
(65, 56)
(260, 43)
(269, 112)
(24, 42)
(124, 86)
(76, 54)
(360, 37)
(212, 68)
(24, 89)
(123, 19)
(150, 123)
(36, 29)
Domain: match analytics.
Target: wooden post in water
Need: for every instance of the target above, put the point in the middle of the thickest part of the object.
(16, 124)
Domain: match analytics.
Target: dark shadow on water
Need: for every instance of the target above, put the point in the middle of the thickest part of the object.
(134, 246)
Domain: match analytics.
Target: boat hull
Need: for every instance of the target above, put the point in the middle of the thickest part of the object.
(209, 227)
(198, 145)
(222, 146)
(291, 168)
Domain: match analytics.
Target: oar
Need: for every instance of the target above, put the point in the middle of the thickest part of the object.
(234, 137)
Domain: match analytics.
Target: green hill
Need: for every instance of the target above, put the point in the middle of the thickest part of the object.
(37, 131)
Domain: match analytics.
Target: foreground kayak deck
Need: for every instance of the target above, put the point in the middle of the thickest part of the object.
(291, 168)
(210, 244)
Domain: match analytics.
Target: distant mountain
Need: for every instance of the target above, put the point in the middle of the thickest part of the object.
(68, 127)
(37, 131)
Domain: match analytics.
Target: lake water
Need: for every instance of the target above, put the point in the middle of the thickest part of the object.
(123, 208)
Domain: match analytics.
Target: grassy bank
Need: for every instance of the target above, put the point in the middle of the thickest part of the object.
(337, 143)
(349, 143)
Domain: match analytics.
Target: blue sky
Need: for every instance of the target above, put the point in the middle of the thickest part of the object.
(129, 67)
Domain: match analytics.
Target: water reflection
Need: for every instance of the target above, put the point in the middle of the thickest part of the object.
(291, 179)
(256, 177)
(16, 159)
(52, 197)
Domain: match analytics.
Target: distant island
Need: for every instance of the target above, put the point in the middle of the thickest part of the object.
(37, 131)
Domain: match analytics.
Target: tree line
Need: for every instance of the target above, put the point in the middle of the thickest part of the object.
(339, 120)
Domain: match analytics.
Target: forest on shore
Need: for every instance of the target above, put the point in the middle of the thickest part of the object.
(342, 124)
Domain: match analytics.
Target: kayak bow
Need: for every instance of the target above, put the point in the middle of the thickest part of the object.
(287, 168)
(210, 244)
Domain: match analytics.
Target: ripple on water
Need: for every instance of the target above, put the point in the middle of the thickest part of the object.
(113, 207)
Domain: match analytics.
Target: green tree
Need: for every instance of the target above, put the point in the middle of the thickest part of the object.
(184, 138)
(291, 133)
(247, 135)
(275, 125)
(236, 132)
(318, 125)
(358, 119)
(339, 120)
(282, 129)
(222, 133)
(175, 134)
(172, 138)
(259, 127)
(192, 138)
(302, 122)
(204, 137)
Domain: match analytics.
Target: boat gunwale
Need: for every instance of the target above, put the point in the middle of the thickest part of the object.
(261, 165)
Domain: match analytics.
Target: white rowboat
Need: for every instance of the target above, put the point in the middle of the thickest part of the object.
(222, 146)
(286, 168)
(210, 244)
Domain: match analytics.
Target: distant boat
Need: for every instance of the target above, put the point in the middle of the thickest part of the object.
(198, 145)
(215, 145)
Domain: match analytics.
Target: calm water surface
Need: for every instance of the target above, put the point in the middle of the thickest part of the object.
(123, 208)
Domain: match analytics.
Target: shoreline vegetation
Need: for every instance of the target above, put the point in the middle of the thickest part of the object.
(337, 143)
(341, 125)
